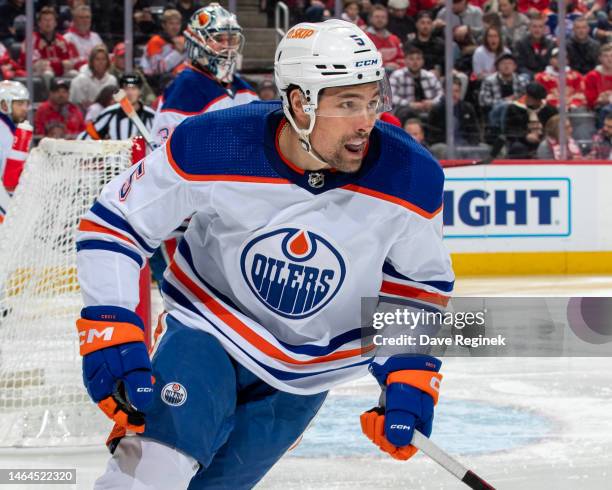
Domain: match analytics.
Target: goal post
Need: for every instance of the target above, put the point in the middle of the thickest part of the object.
(42, 398)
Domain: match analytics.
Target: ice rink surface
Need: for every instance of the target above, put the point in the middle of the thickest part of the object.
(521, 423)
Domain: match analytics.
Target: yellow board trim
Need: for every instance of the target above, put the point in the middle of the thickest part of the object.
(529, 263)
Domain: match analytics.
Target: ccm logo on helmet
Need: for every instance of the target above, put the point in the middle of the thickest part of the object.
(300, 33)
(400, 427)
(365, 63)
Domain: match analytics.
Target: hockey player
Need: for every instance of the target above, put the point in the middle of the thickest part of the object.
(298, 211)
(14, 141)
(113, 123)
(214, 43)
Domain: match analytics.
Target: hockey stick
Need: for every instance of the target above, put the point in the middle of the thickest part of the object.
(451, 465)
(130, 112)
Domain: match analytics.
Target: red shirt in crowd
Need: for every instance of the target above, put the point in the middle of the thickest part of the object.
(390, 48)
(415, 6)
(596, 82)
(56, 51)
(524, 6)
(549, 79)
(69, 115)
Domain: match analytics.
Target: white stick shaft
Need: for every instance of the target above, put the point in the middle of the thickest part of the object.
(434, 452)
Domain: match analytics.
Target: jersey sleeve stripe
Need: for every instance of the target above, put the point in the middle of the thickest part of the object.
(118, 222)
(395, 200)
(444, 286)
(111, 247)
(86, 225)
(217, 178)
(233, 322)
(405, 291)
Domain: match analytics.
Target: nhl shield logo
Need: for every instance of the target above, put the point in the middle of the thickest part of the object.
(174, 394)
(293, 272)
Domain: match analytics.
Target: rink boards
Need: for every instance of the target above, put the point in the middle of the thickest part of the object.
(524, 217)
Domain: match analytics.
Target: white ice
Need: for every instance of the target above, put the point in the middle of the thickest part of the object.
(520, 423)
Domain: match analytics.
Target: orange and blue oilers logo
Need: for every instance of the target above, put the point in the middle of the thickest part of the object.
(174, 394)
(293, 272)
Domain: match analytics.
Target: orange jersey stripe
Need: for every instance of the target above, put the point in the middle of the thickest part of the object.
(412, 292)
(86, 225)
(393, 199)
(245, 331)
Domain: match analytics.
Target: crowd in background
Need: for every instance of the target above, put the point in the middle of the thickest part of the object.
(505, 58)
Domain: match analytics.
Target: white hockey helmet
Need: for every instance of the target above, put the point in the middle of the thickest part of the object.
(10, 92)
(214, 40)
(333, 53)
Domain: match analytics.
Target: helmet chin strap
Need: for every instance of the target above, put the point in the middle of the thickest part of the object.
(304, 136)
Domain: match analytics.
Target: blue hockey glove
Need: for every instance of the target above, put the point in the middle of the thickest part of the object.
(116, 365)
(411, 385)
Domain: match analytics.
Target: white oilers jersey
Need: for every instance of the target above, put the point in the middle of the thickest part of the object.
(195, 92)
(275, 260)
(7, 135)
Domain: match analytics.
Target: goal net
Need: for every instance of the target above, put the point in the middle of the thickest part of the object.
(42, 398)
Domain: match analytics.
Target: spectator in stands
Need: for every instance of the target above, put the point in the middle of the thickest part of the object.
(514, 24)
(533, 6)
(350, 13)
(117, 69)
(53, 55)
(103, 100)
(365, 10)
(414, 127)
(550, 147)
(549, 79)
(92, 78)
(483, 61)
(9, 12)
(465, 18)
(413, 87)
(525, 120)
(9, 68)
(57, 109)
(603, 29)
(598, 84)
(602, 141)
(399, 23)
(466, 128)
(388, 44)
(166, 51)
(266, 90)
(80, 33)
(431, 46)
(533, 50)
(503, 86)
(582, 50)
(56, 129)
(186, 8)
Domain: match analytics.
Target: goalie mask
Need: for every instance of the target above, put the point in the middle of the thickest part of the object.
(334, 53)
(11, 92)
(214, 40)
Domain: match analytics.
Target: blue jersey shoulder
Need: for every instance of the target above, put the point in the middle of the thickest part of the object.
(8, 121)
(405, 170)
(227, 142)
(193, 90)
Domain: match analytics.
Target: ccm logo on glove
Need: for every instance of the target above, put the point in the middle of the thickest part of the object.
(94, 334)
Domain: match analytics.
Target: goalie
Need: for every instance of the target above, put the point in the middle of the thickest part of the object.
(299, 210)
(214, 43)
